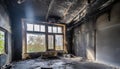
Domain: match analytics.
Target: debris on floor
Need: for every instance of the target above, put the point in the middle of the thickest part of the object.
(57, 64)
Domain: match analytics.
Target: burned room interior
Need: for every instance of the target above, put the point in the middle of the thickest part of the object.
(59, 34)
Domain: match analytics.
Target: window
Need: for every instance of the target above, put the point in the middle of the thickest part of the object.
(50, 29)
(42, 28)
(59, 29)
(29, 27)
(36, 43)
(59, 42)
(42, 37)
(2, 42)
(50, 42)
(36, 27)
(54, 29)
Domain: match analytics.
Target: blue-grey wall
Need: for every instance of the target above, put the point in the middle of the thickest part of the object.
(5, 23)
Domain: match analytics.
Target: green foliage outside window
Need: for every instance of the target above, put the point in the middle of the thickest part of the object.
(35, 43)
(2, 42)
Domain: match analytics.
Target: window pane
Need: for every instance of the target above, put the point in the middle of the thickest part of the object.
(2, 42)
(49, 29)
(42, 28)
(36, 43)
(59, 29)
(54, 29)
(36, 28)
(59, 42)
(29, 27)
(50, 42)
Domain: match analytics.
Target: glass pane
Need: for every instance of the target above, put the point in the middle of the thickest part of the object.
(2, 42)
(59, 29)
(36, 28)
(59, 42)
(29, 27)
(50, 42)
(36, 43)
(54, 29)
(42, 28)
(49, 29)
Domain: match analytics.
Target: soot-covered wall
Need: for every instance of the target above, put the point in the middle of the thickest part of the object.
(99, 37)
(83, 40)
(108, 37)
(5, 24)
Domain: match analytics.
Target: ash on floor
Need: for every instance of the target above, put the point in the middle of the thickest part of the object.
(57, 64)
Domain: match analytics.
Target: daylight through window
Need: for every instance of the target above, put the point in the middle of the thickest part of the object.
(42, 37)
(2, 42)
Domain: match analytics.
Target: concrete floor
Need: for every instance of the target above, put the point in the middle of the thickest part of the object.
(57, 64)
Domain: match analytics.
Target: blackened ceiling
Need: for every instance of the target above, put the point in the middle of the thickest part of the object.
(62, 11)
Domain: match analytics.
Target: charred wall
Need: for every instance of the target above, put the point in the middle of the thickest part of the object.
(108, 36)
(83, 40)
(98, 38)
(5, 24)
(16, 36)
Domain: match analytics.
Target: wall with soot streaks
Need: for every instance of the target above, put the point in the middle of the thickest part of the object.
(5, 24)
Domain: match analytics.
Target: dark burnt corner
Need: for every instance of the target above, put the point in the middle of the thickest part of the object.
(59, 34)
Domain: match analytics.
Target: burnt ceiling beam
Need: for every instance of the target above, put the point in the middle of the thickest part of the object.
(80, 11)
(106, 4)
(106, 7)
(66, 11)
(50, 6)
